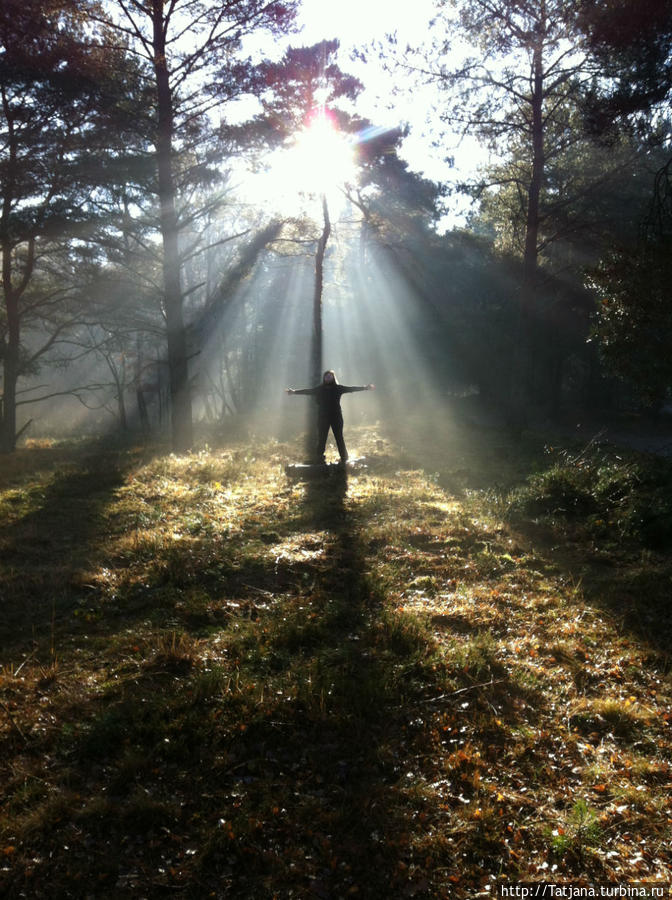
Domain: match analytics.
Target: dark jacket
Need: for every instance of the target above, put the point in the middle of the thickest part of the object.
(328, 397)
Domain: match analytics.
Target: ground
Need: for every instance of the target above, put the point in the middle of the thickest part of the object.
(426, 678)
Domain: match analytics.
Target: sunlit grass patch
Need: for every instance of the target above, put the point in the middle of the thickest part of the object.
(205, 467)
(212, 683)
(173, 651)
(15, 503)
(477, 656)
(622, 718)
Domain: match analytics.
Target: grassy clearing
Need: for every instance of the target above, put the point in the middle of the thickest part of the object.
(441, 673)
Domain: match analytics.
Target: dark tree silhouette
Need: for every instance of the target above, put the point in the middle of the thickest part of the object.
(62, 95)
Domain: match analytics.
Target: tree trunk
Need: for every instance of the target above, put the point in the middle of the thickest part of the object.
(121, 406)
(10, 369)
(526, 339)
(316, 343)
(316, 348)
(11, 347)
(531, 258)
(143, 414)
(178, 367)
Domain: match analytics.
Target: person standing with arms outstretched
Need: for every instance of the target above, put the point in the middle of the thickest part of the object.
(328, 396)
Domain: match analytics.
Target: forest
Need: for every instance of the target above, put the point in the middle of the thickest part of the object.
(230, 667)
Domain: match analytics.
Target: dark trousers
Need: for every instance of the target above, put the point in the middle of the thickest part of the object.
(324, 423)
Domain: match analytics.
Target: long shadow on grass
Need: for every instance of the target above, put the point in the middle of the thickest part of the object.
(45, 548)
(319, 762)
(323, 791)
(284, 770)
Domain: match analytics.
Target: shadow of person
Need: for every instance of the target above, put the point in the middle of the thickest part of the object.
(324, 499)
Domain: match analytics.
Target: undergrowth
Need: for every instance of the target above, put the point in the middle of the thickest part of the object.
(617, 498)
(423, 678)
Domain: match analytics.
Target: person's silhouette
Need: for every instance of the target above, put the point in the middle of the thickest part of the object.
(328, 396)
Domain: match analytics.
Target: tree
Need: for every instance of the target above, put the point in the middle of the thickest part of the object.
(62, 95)
(518, 78)
(523, 86)
(312, 93)
(633, 323)
(124, 330)
(632, 46)
(193, 53)
(632, 43)
(592, 202)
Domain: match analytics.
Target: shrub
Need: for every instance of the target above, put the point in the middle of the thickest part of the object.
(625, 497)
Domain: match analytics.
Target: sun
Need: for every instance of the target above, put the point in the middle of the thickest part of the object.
(321, 158)
(317, 162)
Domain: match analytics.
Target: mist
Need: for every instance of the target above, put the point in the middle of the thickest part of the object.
(254, 341)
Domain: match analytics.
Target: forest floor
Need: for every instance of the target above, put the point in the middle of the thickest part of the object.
(443, 673)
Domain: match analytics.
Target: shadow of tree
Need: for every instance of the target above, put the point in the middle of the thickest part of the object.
(46, 548)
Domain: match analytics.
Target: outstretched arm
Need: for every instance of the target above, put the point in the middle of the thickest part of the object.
(352, 389)
(302, 391)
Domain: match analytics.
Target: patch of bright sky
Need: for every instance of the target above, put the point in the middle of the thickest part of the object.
(359, 23)
(319, 163)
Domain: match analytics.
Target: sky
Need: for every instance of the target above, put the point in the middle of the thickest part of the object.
(358, 23)
(388, 100)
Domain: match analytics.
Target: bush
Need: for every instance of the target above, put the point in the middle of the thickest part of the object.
(608, 493)
(564, 489)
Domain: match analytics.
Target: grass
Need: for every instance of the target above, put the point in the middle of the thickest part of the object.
(448, 671)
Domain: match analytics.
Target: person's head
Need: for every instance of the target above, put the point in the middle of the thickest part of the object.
(329, 377)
